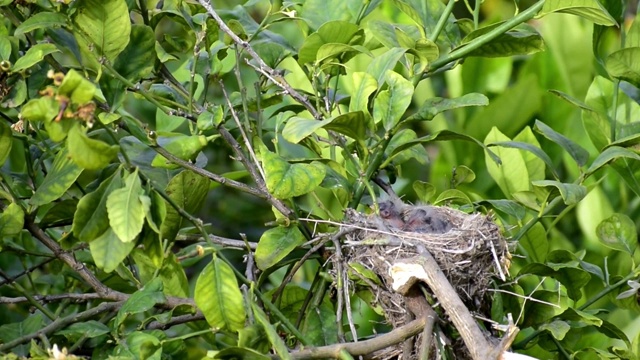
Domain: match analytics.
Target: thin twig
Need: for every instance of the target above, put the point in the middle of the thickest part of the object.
(50, 298)
(202, 172)
(274, 76)
(247, 143)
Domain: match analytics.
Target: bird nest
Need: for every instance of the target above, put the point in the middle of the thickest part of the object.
(469, 249)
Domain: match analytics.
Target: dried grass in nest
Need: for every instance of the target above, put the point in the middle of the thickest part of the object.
(469, 254)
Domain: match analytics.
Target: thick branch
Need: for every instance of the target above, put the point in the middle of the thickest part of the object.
(363, 347)
(425, 268)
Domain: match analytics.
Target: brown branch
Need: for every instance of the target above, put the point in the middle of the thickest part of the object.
(215, 177)
(226, 242)
(61, 323)
(51, 298)
(425, 268)
(177, 320)
(363, 347)
(103, 291)
(263, 68)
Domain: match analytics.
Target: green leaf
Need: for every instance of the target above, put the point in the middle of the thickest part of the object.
(383, 63)
(77, 88)
(61, 176)
(571, 193)
(511, 176)
(609, 154)
(597, 121)
(298, 128)
(41, 20)
(340, 32)
(181, 146)
(427, 14)
(509, 207)
(188, 190)
(445, 135)
(90, 329)
(157, 211)
(174, 279)
(89, 153)
(577, 152)
(352, 124)
(530, 148)
(461, 175)
(106, 24)
(91, 218)
(132, 63)
(574, 279)
(391, 104)
(33, 56)
(126, 210)
(424, 190)
(434, 106)
(363, 86)
(623, 65)
(523, 40)
(144, 346)
(591, 10)
(276, 341)
(11, 221)
(285, 180)
(618, 232)
(141, 301)
(6, 142)
(402, 137)
(452, 196)
(275, 244)
(218, 296)
(535, 244)
(209, 120)
(329, 50)
(108, 251)
(557, 328)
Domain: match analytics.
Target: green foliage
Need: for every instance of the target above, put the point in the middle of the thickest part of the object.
(173, 175)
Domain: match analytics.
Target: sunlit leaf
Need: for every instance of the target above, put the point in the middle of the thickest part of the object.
(41, 20)
(577, 152)
(11, 221)
(435, 105)
(623, 65)
(571, 193)
(618, 232)
(126, 210)
(390, 105)
(286, 180)
(141, 300)
(591, 10)
(106, 24)
(89, 153)
(61, 176)
(33, 56)
(91, 219)
(275, 244)
(108, 251)
(511, 175)
(218, 296)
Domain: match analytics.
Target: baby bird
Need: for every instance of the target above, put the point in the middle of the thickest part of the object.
(424, 219)
(391, 212)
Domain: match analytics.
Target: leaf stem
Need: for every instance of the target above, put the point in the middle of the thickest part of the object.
(442, 21)
(486, 38)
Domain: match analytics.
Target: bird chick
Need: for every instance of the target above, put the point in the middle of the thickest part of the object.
(391, 213)
(424, 219)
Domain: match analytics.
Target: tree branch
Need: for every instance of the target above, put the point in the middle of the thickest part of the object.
(263, 68)
(363, 347)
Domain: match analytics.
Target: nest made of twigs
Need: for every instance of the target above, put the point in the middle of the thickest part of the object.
(470, 252)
